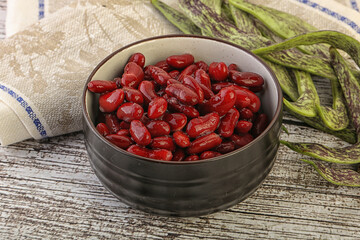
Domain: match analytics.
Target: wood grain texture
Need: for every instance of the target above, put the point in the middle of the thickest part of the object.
(49, 191)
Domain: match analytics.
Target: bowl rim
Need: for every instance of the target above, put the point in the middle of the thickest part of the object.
(200, 161)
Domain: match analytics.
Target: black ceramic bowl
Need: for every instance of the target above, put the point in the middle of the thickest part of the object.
(184, 188)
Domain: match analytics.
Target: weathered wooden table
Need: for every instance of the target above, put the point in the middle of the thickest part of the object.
(49, 191)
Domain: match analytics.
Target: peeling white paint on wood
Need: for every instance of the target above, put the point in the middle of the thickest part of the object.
(48, 191)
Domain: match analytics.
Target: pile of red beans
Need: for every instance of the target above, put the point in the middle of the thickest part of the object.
(179, 109)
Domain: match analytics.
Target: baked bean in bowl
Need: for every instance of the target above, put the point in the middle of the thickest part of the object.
(182, 125)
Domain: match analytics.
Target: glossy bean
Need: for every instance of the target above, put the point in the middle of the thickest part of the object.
(123, 132)
(190, 70)
(183, 93)
(232, 67)
(119, 140)
(133, 95)
(202, 77)
(246, 113)
(130, 111)
(181, 139)
(160, 154)
(203, 125)
(163, 65)
(174, 74)
(101, 86)
(157, 108)
(158, 128)
(140, 133)
(138, 150)
(163, 142)
(176, 120)
(102, 129)
(204, 143)
(138, 58)
(225, 147)
(112, 122)
(110, 101)
(202, 65)
(176, 106)
(194, 85)
(243, 126)
(192, 158)
(218, 71)
(246, 79)
(228, 123)
(180, 61)
(241, 140)
(159, 75)
(148, 91)
(132, 76)
(221, 102)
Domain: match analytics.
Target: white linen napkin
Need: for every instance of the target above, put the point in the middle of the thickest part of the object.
(44, 63)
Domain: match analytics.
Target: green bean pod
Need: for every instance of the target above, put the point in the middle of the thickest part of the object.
(177, 18)
(337, 176)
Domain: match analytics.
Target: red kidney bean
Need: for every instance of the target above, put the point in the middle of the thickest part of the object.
(209, 154)
(129, 80)
(179, 155)
(133, 95)
(133, 75)
(174, 74)
(183, 93)
(203, 125)
(192, 158)
(245, 98)
(160, 154)
(204, 143)
(180, 61)
(221, 102)
(225, 147)
(218, 71)
(190, 70)
(241, 139)
(137, 150)
(103, 129)
(112, 122)
(101, 86)
(140, 133)
(202, 65)
(207, 92)
(157, 108)
(243, 126)
(181, 139)
(216, 87)
(120, 141)
(123, 132)
(130, 111)
(233, 66)
(246, 79)
(255, 102)
(228, 123)
(176, 106)
(246, 113)
(158, 128)
(110, 101)
(176, 120)
(138, 58)
(124, 125)
(148, 91)
(163, 142)
(163, 65)
(202, 77)
(260, 124)
(159, 75)
(194, 85)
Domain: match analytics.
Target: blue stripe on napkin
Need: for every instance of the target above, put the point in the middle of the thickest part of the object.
(330, 12)
(354, 5)
(41, 9)
(31, 114)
